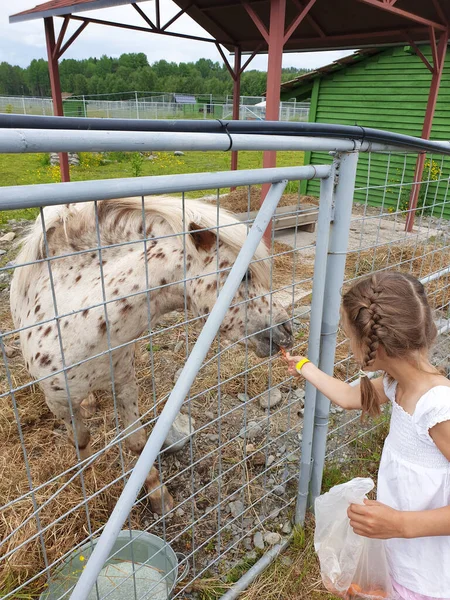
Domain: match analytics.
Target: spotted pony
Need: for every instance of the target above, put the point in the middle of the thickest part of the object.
(111, 253)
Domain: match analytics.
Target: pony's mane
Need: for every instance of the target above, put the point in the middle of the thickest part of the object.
(123, 219)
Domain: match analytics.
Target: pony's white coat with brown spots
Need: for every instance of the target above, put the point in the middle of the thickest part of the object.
(118, 273)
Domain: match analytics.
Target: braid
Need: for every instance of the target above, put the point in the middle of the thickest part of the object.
(371, 339)
(388, 310)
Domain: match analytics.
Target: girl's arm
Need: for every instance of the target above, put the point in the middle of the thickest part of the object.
(338, 392)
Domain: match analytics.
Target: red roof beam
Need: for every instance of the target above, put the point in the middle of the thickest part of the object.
(144, 29)
(257, 21)
(296, 22)
(71, 40)
(404, 13)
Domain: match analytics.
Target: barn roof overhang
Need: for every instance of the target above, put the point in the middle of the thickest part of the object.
(313, 25)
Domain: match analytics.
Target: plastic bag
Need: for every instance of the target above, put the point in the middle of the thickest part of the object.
(351, 566)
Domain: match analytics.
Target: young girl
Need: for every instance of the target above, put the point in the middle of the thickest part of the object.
(391, 329)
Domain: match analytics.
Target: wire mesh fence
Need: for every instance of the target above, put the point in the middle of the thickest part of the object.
(110, 304)
(108, 298)
(152, 107)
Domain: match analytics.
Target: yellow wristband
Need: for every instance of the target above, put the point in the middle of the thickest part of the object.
(301, 364)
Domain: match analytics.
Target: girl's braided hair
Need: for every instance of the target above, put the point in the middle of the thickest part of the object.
(388, 309)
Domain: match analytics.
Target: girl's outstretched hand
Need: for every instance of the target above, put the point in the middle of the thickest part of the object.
(291, 362)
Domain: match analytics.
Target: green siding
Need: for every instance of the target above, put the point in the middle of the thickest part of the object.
(386, 91)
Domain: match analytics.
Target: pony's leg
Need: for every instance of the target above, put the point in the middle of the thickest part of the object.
(60, 408)
(127, 403)
(88, 407)
(161, 501)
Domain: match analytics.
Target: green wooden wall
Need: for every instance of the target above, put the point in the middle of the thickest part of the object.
(387, 91)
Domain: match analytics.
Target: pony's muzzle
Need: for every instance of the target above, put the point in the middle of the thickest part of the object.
(270, 340)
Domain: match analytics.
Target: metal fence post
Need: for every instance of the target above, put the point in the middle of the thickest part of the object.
(335, 269)
(315, 325)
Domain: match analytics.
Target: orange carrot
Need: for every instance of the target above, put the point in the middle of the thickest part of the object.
(283, 352)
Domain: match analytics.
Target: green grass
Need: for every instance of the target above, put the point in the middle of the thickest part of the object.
(30, 169)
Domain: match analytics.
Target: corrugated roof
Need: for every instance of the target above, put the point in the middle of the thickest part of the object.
(329, 25)
(55, 8)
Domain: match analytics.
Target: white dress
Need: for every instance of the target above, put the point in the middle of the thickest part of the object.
(414, 475)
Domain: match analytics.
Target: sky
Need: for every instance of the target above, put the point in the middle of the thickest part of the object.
(21, 42)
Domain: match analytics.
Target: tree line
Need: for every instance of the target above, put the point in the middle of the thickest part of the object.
(107, 75)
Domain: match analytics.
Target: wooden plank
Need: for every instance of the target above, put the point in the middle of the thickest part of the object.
(287, 217)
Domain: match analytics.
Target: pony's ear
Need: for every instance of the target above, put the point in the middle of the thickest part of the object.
(203, 240)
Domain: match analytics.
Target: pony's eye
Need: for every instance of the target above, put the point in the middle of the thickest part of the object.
(247, 276)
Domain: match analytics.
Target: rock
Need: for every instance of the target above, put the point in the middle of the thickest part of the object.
(279, 490)
(212, 437)
(74, 159)
(271, 398)
(249, 448)
(258, 540)
(300, 437)
(209, 415)
(282, 450)
(243, 397)
(178, 346)
(287, 528)
(11, 351)
(274, 514)
(179, 433)
(178, 153)
(270, 460)
(8, 237)
(252, 431)
(236, 508)
(177, 374)
(272, 538)
(258, 459)
(286, 561)
(298, 394)
(301, 412)
(303, 313)
(2, 252)
(293, 458)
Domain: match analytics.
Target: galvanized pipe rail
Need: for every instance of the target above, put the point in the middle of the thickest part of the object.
(227, 128)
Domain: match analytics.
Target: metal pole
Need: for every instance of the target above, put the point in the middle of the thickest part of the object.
(14, 141)
(176, 398)
(260, 566)
(84, 107)
(315, 326)
(137, 105)
(52, 194)
(335, 271)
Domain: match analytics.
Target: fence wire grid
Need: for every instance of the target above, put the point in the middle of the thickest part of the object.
(152, 107)
(118, 292)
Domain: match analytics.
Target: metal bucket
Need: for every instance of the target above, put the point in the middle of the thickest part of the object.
(141, 565)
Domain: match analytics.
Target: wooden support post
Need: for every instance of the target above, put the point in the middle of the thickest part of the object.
(276, 43)
(236, 99)
(56, 88)
(439, 51)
